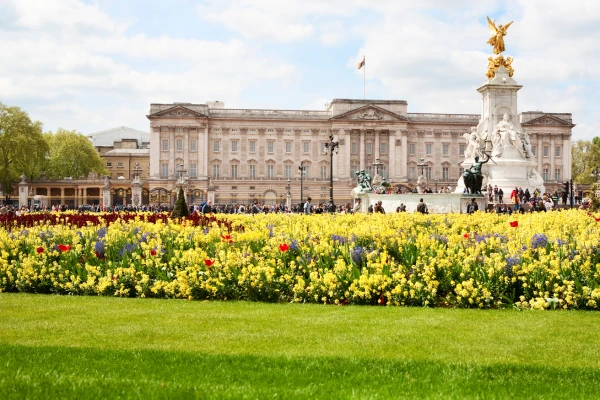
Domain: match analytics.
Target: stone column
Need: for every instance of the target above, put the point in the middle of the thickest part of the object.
(404, 160)
(23, 192)
(186, 140)
(377, 145)
(391, 155)
(62, 196)
(552, 157)
(84, 195)
(155, 148)
(361, 149)
(539, 153)
(348, 153)
(205, 151)
(566, 157)
(171, 152)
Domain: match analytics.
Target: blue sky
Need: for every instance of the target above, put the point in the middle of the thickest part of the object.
(91, 65)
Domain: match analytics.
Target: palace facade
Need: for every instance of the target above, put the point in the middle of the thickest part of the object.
(254, 154)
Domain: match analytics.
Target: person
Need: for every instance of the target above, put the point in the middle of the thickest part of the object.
(356, 207)
(401, 208)
(500, 195)
(514, 198)
(307, 208)
(422, 207)
(207, 209)
(379, 207)
(472, 206)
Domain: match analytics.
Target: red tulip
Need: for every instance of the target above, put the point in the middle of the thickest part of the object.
(64, 247)
(40, 250)
(153, 252)
(209, 262)
(227, 238)
(514, 224)
(466, 235)
(284, 247)
(597, 219)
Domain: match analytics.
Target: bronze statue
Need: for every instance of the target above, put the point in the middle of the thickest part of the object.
(473, 178)
(497, 39)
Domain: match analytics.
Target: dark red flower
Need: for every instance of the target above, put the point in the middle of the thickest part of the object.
(466, 235)
(597, 219)
(514, 224)
(209, 262)
(284, 247)
(64, 247)
(40, 250)
(153, 252)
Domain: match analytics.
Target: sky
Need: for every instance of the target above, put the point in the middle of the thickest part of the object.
(92, 65)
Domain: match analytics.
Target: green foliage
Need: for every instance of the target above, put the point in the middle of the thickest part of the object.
(22, 146)
(585, 157)
(71, 154)
(180, 210)
(94, 347)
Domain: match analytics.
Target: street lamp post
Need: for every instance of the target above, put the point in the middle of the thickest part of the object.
(301, 171)
(330, 148)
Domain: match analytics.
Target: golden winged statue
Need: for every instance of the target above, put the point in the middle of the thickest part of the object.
(497, 39)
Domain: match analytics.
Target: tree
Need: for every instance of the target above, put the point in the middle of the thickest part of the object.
(180, 210)
(22, 146)
(585, 157)
(71, 154)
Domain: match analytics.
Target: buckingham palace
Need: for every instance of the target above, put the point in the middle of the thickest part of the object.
(245, 155)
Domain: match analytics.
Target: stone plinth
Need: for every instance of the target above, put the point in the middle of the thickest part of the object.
(437, 203)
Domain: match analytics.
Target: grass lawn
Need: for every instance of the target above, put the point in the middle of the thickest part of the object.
(97, 347)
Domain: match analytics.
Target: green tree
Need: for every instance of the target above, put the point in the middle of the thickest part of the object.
(72, 154)
(22, 146)
(585, 158)
(180, 210)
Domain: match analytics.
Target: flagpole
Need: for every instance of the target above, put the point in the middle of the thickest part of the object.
(364, 78)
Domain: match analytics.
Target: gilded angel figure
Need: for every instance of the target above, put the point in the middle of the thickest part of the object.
(497, 39)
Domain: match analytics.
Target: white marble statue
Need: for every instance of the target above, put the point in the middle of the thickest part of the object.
(475, 144)
(524, 136)
(504, 135)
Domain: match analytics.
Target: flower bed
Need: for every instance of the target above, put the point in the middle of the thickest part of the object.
(543, 260)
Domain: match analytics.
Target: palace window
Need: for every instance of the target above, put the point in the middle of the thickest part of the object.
(234, 171)
(252, 146)
(193, 145)
(323, 171)
(546, 151)
(217, 130)
(164, 170)
(383, 148)
(557, 151)
(179, 145)
(354, 148)
(428, 171)
(306, 147)
(288, 171)
(108, 165)
(193, 171)
(119, 165)
(557, 174)
(270, 146)
(270, 171)
(252, 171)
(546, 174)
(369, 170)
(428, 149)
(412, 149)
(216, 146)
(445, 173)
(369, 147)
(234, 145)
(383, 172)
(288, 147)
(461, 149)
(412, 173)
(216, 170)
(353, 170)
(270, 130)
(165, 144)
(445, 149)
(288, 131)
